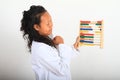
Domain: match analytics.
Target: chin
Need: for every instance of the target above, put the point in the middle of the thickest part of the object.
(48, 34)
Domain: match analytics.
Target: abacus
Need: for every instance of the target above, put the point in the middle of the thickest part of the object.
(91, 33)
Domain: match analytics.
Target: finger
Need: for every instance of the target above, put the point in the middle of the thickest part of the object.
(78, 39)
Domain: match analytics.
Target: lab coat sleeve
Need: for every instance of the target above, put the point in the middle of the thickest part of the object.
(67, 52)
(47, 57)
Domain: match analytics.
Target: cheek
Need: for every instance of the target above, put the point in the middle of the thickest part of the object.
(46, 31)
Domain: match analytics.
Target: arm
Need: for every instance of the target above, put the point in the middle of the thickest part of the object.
(71, 51)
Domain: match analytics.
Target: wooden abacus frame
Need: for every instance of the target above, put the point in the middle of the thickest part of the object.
(91, 33)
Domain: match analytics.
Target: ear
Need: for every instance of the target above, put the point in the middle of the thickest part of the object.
(36, 27)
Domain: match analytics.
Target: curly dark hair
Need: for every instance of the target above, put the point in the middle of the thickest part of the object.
(30, 18)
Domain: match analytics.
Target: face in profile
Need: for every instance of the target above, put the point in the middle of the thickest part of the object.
(45, 27)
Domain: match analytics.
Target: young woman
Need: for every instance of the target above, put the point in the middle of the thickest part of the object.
(50, 57)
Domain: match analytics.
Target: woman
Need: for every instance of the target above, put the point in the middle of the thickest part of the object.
(50, 57)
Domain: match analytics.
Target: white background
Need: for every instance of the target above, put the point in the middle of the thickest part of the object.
(93, 63)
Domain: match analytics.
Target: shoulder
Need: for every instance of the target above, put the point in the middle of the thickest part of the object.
(39, 45)
(40, 48)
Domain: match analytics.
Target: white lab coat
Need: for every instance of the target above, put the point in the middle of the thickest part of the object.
(50, 63)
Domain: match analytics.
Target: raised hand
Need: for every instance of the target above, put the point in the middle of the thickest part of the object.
(76, 44)
(58, 40)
